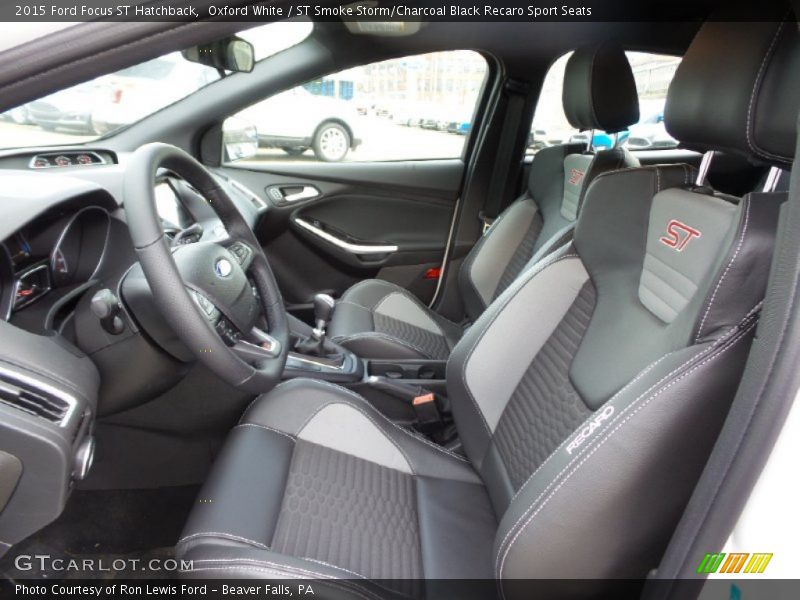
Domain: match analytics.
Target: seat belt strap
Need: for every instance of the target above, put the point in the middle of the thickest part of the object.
(516, 93)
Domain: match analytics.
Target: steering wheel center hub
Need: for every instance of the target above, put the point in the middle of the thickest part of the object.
(211, 270)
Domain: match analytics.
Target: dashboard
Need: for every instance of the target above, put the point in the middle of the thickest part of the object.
(64, 237)
(62, 228)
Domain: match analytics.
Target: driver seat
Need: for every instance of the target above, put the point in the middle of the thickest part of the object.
(587, 397)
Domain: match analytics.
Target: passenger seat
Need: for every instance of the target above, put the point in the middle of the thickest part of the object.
(378, 319)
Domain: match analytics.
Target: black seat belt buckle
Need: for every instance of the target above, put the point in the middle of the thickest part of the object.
(426, 409)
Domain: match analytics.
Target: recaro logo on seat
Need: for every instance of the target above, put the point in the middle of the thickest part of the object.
(590, 428)
(575, 176)
(679, 235)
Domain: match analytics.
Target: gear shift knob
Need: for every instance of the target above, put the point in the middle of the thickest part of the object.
(323, 311)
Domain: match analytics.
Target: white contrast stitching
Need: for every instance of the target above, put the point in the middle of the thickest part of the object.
(272, 429)
(269, 563)
(727, 268)
(586, 454)
(756, 85)
(386, 297)
(378, 335)
(351, 303)
(326, 564)
(365, 283)
(229, 536)
(424, 309)
(279, 574)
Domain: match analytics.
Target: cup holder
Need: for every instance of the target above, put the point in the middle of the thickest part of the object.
(408, 369)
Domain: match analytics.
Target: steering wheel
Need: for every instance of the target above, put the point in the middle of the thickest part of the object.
(216, 294)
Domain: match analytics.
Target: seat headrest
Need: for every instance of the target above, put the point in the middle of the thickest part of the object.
(599, 89)
(737, 90)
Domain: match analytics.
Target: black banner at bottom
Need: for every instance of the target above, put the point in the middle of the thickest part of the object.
(216, 589)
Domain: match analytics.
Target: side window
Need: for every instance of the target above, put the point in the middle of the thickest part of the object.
(412, 108)
(653, 74)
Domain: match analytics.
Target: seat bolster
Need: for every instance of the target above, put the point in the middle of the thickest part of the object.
(369, 293)
(519, 308)
(482, 271)
(307, 408)
(241, 499)
(641, 454)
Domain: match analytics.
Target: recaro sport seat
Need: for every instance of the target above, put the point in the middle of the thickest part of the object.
(378, 319)
(587, 396)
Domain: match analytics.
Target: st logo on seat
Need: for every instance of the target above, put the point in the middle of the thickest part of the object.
(679, 235)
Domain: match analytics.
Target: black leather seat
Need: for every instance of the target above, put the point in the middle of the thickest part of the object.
(378, 319)
(587, 396)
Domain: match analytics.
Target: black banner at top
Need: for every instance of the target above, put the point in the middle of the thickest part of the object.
(391, 10)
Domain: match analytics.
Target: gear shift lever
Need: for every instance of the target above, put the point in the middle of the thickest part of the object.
(323, 311)
(315, 344)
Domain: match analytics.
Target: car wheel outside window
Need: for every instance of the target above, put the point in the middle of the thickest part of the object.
(331, 142)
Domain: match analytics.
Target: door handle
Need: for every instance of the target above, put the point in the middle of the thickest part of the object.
(293, 192)
(306, 193)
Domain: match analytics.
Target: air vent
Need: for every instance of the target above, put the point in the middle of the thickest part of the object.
(32, 400)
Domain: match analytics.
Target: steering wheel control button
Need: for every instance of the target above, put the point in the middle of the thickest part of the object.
(204, 303)
(240, 252)
(223, 268)
(227, 332)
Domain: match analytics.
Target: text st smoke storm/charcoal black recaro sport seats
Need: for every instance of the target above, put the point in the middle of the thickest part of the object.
(378, 319)
(587, 396)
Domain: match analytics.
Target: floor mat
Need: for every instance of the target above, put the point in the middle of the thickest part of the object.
(106, 534)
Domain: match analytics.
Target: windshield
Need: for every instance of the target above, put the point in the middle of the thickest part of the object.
(100, 107)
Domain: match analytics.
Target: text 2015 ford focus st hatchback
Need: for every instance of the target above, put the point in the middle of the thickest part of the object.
(390, 300)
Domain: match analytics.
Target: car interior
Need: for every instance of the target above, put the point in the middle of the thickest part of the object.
(508, 365)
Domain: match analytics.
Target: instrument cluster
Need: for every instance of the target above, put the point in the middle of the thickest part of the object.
(56, 253)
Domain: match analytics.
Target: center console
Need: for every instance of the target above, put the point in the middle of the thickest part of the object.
(410, 392)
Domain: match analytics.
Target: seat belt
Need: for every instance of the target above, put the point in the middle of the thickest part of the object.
(516, 93)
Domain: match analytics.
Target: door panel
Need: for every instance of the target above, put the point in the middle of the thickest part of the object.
(388, 220)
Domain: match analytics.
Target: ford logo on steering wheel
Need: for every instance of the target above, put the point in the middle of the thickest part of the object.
(223, 267)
